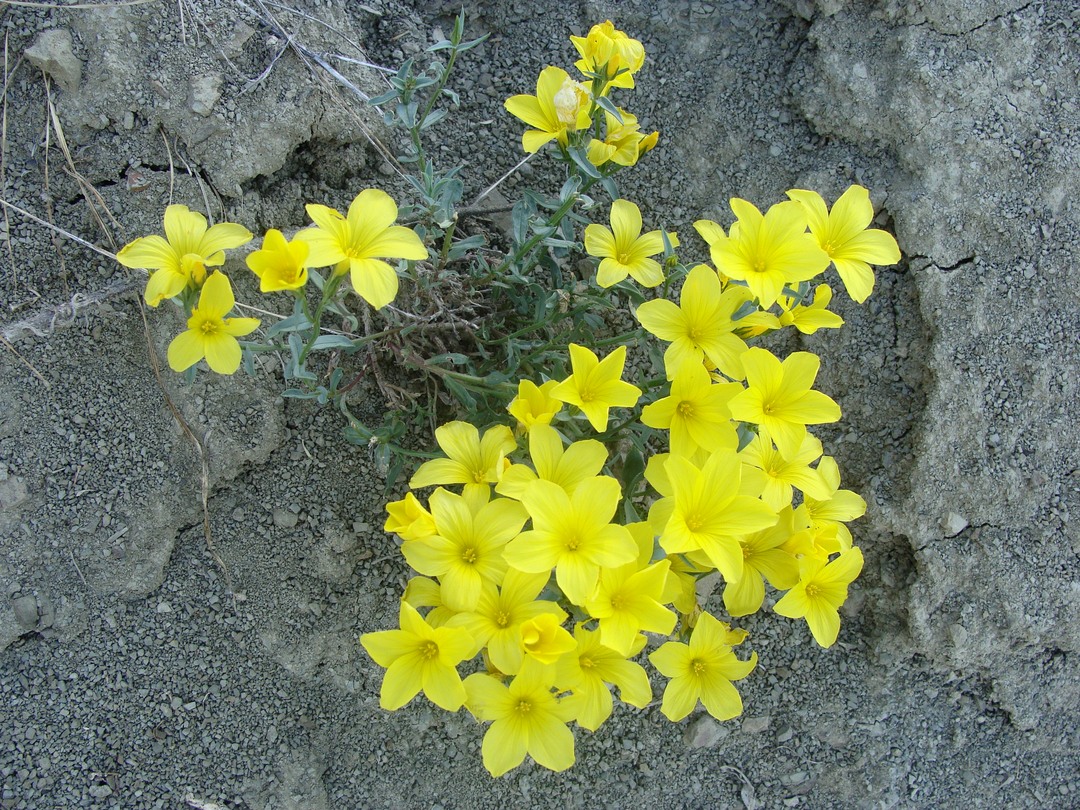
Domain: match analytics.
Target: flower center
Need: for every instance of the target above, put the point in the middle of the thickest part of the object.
(573, 542)
(523, 707)
(623, 258)
(210, 327)
(685, 409)
(429, 650)
(478, 476)
(812, 590)
(585, 662)
(694, 522)
(759, 265)
(468, 555)
(618, 601)
(698, 666)
(502, 618)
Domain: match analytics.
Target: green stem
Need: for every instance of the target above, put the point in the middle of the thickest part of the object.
(447, 243)
(327, 294)
(552, 221)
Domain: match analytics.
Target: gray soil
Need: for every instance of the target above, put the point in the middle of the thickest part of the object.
(131, 677)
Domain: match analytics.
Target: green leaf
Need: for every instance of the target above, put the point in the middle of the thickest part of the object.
(296, 393)
(608, 106)
(633, 469)
(434, 117)
(460, 392)
(294, 323)
(389, 95)
(610, 187)
(581, 160)
(453, 358)
(325, 342)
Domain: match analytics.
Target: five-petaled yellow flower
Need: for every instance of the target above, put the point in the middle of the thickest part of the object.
(822, 589)
(572, 534)
(279, 264)
(359, 242)
(560, 106)
(466, 550)
(589, 671)
(473, 461)
(210, 334)
(844, 235)
(701, 325)
(595, 385)
(181, 261)
(702, 670)
(779, 397)
(625, 249)
(768, 251)
(419, 656)
(526, 718)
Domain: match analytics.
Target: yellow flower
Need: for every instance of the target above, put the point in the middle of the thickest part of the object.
(526, 719)
(768, 251)
(589, 671)
(624, 249)
(534, 404)
(702, 670)
(775, 474)
(710, 513)
(496, 622)
(466, 551)
(822, 589)
(764, 555)
(844, 236)
(417, 657)
(608, 52)
(828, 515)
(695, 412)
(778, 397)
(560, 106)
(624, 142)
(280, 265)
(544, 638)
(808, 318)
(627, 601)
(472, 461)
(210, 334)
(359, 242)
(701, 325)
(595, 385)
(579, 462)
(572, 534)
(181, 261)
(409, 519)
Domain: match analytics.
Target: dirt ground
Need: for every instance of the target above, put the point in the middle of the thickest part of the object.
(131, 678)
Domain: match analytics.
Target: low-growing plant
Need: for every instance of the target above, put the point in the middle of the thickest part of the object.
(549, 553)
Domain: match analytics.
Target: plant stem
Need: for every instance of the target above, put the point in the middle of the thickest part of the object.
(327, 294)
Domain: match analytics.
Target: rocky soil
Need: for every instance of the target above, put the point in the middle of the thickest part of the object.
(131, 678)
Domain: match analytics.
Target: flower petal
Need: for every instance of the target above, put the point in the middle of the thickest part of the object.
(374, 280)
(223, 353)
(148, 252)
(185, 350)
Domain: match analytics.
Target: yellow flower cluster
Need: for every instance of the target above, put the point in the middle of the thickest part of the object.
(580, 113)
(538, 568)
(355, 244)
